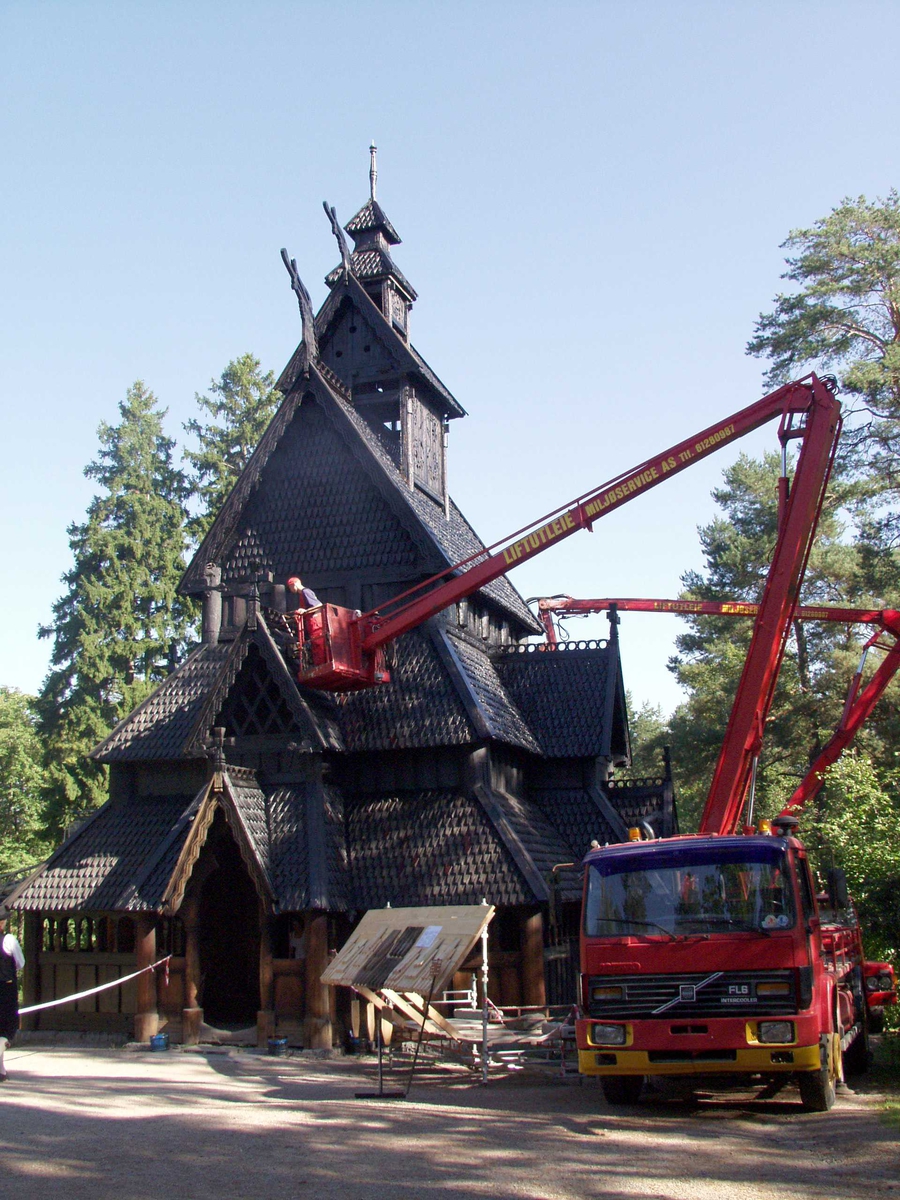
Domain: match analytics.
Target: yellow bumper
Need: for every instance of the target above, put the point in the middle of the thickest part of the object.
(752, 1060)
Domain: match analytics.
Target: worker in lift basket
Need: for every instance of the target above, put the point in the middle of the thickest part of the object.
(308, 598)
(11, 960)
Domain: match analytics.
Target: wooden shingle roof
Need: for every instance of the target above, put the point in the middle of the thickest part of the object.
(571, 696)
(119, 860)
(175, 720)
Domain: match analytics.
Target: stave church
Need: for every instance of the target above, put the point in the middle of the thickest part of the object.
(251, 821)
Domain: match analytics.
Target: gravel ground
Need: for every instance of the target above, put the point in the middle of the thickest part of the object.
(81, 1123)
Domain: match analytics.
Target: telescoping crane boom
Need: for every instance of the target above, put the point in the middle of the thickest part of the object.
(342, 650)
(860, 700)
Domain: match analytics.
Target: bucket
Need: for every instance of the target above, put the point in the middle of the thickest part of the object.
(278, 1047)
(159, 1041)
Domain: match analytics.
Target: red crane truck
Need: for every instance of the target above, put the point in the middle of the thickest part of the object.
(778, 981)
(648, 988)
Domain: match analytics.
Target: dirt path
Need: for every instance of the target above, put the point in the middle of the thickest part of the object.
(100, 1124)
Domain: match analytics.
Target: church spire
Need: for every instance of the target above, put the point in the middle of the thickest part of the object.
(373, 236)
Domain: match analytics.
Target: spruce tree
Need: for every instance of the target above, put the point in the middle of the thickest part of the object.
(241, 404)
(120, 623)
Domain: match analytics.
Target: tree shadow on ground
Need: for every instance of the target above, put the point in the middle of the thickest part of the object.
(235, 1127)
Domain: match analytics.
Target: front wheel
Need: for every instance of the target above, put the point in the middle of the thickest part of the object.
(622, 1089)
(819, 1088)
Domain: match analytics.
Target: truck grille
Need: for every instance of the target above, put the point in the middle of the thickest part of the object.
(706, 994)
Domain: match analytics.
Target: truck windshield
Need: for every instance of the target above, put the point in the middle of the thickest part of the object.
(670, 891)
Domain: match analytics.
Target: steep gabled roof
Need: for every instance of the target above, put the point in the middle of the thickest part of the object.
(289, 528)
(373, 216)
(571, 695)
(428, 847)
(491, 711)
(175, 719)
(406, 357)
(119, 860)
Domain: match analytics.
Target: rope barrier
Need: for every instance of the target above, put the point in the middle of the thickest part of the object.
(102, 988)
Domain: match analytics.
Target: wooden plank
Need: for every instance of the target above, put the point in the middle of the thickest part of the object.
(408, 949)
(108, 1001)
(435, 1018)
(128, 992)
(413, 1007)
(86, 978)
(64, 983)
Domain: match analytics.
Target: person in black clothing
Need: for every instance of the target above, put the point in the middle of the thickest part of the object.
(11, 961)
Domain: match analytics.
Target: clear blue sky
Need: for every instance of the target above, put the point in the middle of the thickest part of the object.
(591, 198)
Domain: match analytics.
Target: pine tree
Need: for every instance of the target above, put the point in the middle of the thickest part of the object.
(120, 624)
(242, 403)
(844, 315)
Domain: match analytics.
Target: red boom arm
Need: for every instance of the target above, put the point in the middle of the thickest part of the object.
(342, 651)
(809, 397)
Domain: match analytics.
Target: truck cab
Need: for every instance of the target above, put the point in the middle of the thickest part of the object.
(704, 955)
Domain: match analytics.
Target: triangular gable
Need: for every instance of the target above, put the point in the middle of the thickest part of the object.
(262, 699)
(406, 357)
(324, 505)
(243, 805)
(273, 514)
(176, 718)
(572, 696)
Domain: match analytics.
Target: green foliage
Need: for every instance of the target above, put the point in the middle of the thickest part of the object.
(120, 624)
(242, 403)
(22, 843)
(819, 661)
(854, 825)
(844, 315)
(649, 736)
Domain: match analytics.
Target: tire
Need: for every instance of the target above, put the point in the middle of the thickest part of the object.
(876, 1020)
(819, 1088)
(622, 1089)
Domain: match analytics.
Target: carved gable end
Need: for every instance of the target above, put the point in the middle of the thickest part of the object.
(424, 446)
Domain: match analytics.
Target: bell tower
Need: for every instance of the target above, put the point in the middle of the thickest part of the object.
(373, 236)
(390, 384)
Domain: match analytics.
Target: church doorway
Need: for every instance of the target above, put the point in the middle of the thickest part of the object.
(228, 936)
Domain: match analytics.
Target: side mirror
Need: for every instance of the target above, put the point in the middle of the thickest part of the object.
(838, 895)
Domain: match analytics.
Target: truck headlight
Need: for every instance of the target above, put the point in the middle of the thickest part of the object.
(886, 982)
(608, 1035)
(873, 983)
(775, 1031)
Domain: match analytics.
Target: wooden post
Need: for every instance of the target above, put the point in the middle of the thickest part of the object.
(191, 1015)
(31, 982)
(265, 1018)
(146, 1017)
(317, 1026)
(534, 991)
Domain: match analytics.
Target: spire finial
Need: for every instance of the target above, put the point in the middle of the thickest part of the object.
(373, 169)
